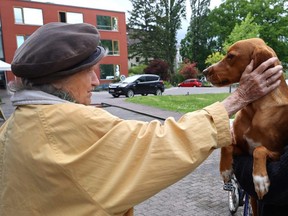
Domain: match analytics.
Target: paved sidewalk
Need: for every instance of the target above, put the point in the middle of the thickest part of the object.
(198, 194)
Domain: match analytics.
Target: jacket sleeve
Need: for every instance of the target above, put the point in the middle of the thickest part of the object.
(124, 162)
(278, 175)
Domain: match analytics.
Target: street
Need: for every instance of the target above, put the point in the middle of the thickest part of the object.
(196, 90)
(104, 95)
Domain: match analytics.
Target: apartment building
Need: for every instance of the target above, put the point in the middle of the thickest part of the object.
(20, 18)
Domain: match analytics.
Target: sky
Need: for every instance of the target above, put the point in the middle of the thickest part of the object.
(125, 5)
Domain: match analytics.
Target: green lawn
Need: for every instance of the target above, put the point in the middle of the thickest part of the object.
(179, 103)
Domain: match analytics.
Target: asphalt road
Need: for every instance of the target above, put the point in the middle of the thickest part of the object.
(195, 90)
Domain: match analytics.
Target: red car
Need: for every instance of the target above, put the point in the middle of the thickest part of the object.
(190, 83)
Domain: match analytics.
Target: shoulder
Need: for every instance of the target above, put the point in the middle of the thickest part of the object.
(75, 113)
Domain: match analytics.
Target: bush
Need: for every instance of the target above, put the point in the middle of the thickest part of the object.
(159, 67)
(167, 84)
(176, 78)
(137, 69)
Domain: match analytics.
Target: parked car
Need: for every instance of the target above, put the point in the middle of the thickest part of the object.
(190, 83)
(143, 84)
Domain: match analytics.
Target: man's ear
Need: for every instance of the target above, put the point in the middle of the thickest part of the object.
(262, 54)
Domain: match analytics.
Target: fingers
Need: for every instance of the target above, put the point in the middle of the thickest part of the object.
(273, 73)
(273, 86)
(263, 66)
(269, 77)
(249, 68)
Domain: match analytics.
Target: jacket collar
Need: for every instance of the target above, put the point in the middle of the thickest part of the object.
(29, 97)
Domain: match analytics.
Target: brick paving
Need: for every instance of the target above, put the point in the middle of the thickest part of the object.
(198, 194)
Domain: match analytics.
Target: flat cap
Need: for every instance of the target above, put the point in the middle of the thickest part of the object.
(57, 50)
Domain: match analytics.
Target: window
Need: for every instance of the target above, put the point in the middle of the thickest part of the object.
(20, 39)
(112, 46)
(30, 16)
(107, 23)
(69, 17)
(109, 71)
(152, 78)
(18, 15)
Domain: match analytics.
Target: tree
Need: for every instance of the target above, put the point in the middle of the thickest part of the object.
(189, 70)
(159, 67)
(153, 27)
(168, 21)
(138, 69)
(141, 28)
(213, 58)
(270, 15)
(196, 46)
(247, 29)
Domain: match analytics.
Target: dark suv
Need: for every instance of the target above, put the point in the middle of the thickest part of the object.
(143, 84)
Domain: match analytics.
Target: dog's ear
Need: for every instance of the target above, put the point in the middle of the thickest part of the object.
(262, 54)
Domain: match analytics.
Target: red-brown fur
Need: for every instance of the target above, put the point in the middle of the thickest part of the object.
(263, 122)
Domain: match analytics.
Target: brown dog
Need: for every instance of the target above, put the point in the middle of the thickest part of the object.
(261, 127)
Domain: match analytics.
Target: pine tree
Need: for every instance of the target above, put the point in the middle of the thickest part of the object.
(153, 26)
(141, 29)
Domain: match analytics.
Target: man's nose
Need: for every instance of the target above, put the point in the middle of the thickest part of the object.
(95, 80)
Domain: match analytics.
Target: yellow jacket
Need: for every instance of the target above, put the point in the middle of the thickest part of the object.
(68, 159)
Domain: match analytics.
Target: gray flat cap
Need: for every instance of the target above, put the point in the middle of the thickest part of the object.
(57, 50)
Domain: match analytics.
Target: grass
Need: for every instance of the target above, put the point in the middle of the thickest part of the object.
(179, 103)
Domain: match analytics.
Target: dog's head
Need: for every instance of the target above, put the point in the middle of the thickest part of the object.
(239, 55)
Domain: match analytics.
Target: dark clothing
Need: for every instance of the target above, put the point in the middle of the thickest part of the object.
(275, 202)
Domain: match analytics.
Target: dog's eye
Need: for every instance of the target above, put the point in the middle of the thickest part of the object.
(230, 56)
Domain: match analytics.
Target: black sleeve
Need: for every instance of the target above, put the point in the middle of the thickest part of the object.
(278, 175)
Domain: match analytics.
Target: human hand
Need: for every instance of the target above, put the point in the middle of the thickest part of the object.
(254, 84)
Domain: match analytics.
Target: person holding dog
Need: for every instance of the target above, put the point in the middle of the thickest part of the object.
(60, 156)
(275, 202)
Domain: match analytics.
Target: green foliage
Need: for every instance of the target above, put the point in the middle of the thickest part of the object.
(168, 23)
(247, 29)
(229, 22)
(269, 15)
(272, 16)
(176, 78)
(180, 103)
(213, 58)
(153, 27)
(167, 84)
(195, 45)
(141, 27)
(137, 69)
(206, 84)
